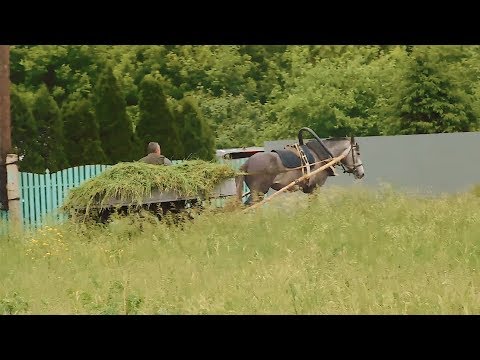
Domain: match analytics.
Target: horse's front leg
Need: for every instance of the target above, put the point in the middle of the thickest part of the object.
(254, 197)
(257, 196)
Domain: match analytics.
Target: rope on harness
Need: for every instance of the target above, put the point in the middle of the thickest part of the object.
(303, 159)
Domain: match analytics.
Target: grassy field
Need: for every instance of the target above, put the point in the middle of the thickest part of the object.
(336, 252)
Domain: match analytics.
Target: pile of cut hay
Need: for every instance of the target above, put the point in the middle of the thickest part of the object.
(133, 182)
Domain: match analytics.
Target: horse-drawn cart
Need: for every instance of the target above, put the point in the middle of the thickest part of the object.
(224, 189)
(180, 188)
(162, 202)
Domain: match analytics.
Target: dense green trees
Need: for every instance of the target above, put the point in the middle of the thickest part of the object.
(25, 137)
(192, 99)
(435, 97)
(82, 137)
(50, 131)
(196, 135)
(156, 121)
(116, 129)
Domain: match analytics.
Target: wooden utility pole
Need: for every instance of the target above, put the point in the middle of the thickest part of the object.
(5, 121)
(13, 191)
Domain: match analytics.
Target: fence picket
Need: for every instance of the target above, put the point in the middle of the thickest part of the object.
(43, 205)
(31, 198)
(53, 184)
(48, 192)
(70, 178)
(76, 176)
(59, 181)
(88, 172)
(66, 180)
(24, 186)
(82, 174)
(36, 181)
(65, 183)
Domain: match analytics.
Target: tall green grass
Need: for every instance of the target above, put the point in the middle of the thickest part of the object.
(335, 252)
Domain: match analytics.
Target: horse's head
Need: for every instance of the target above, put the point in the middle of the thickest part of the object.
(352, 163)
(334, 147)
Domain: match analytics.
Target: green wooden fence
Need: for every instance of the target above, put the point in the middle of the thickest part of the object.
(43, 194)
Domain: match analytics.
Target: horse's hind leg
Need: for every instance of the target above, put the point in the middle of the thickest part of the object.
(258, 188)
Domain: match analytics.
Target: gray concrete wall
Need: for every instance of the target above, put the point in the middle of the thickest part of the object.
(428, 164)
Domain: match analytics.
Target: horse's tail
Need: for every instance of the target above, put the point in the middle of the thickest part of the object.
(239, 181)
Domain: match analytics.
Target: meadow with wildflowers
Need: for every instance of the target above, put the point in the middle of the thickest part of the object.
(337, 251)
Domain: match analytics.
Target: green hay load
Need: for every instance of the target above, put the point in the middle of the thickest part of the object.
(133, 182)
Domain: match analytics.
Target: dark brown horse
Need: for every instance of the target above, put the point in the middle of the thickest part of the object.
(266, 169)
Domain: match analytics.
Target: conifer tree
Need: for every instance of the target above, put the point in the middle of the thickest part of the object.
(50, 128)
(83, 146)
(116, 130)
(196, 134)
(25, 135)
(156, 122)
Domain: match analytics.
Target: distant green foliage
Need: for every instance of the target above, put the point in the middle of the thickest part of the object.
(81, 127)
(436, 98)
(156, 121)
(197, 138)
(50, 130)
(252, 93)
(116, 129)
(246, 120)
(26, 137)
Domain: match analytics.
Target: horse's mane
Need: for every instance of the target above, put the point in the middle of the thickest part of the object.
(340, 138)
(318, 149)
